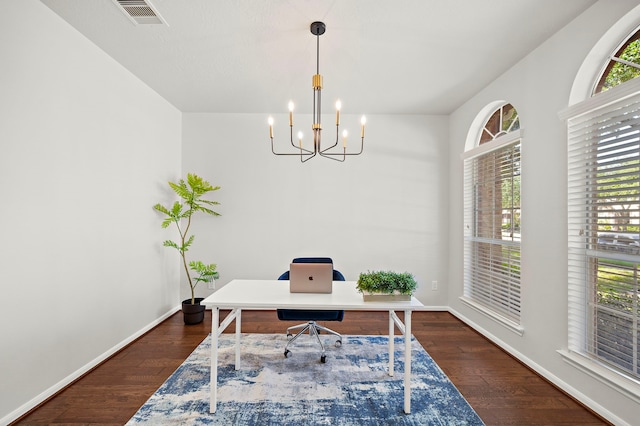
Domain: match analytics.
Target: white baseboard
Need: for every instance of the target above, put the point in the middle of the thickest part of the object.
(26, 407)
(434, 308)
(547, 375)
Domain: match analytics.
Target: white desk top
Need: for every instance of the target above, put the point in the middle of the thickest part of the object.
(272, 294)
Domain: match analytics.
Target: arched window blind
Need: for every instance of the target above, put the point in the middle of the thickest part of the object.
(492, 173)
(604, 227)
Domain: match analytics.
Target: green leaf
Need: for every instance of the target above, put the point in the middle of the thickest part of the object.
(169, 243)
(208, 211)
(176, 210)
(188, 243)
(168, 221)
(162, 209)
(181, 189)
(206, 273)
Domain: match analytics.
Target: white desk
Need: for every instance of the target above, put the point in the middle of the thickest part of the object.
(274, 294)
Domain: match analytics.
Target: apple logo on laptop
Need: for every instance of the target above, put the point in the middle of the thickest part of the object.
(311, 278)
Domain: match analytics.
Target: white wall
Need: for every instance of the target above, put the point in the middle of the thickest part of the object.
(539, 87)
(86, 149)
(385, 209)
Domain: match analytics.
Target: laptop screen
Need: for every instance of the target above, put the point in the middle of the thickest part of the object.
(311, 277)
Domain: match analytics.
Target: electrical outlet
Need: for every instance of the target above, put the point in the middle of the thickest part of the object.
(434, 285)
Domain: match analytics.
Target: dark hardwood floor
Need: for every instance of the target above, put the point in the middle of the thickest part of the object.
(499, 388)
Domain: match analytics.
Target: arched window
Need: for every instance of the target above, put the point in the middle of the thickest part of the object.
(604, 216)
(624, 65)
(492, 217)
(502, 121)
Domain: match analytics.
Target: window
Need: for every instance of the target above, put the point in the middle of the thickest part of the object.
(624, 65)
(492, 217)
(604, 227)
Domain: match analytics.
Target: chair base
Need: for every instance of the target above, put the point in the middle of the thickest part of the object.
(314, 329)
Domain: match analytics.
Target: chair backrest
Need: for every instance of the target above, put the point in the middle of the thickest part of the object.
(337, 275)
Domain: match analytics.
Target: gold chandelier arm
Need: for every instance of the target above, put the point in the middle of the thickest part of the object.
(336, 142)
(307, 158)
(299, 146)
(343, 154)
(335, 156)
(304, 154)
(325, 152)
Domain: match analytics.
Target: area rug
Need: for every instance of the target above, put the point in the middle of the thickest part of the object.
(351, 388)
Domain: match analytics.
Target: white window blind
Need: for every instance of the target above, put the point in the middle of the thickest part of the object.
(604, 227)
(492, 226)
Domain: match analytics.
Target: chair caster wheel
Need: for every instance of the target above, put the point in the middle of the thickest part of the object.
(287, 353)
(323, 359)
(289, 336)
(338, 343)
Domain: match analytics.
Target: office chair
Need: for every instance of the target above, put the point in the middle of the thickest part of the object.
(311, 316)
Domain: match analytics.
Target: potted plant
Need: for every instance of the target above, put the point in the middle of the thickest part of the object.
(386, 285)
(180, 214)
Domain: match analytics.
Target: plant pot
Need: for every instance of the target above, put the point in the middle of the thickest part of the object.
(193, 314)
(385, 297)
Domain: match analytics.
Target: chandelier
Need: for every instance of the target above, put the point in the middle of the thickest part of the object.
(307, 153)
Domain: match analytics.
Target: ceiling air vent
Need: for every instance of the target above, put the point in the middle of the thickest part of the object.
(140, 12)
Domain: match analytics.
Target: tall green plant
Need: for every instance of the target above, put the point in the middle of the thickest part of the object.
(191, 193)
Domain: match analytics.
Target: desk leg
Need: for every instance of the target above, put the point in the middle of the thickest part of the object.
(215, 315)
(407, 361)
(391, 342)
(238, 332)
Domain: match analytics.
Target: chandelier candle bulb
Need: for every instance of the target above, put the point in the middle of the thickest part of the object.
(290, 113)
(344, 138)
(338, 106)
(363, 120)
(271, 127)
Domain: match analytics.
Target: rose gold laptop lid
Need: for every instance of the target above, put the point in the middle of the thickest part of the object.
(311, 277)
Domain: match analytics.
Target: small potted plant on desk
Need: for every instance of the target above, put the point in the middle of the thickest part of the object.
(386, 286)
(191, 193)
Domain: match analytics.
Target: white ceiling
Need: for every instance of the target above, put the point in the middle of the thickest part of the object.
(377, 56)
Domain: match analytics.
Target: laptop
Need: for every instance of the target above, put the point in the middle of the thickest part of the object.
(311, 277)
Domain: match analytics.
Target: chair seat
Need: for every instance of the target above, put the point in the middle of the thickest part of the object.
(303, 315)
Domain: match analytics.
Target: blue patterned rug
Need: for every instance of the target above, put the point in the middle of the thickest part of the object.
(352, 388)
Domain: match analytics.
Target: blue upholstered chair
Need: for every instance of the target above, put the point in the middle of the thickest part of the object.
(311, 316)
